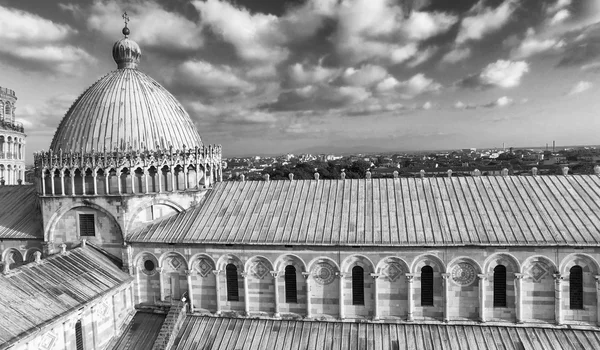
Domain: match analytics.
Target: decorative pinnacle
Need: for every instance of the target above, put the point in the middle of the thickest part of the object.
(125, 17)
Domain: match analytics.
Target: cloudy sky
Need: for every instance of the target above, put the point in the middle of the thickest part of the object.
(275, 76)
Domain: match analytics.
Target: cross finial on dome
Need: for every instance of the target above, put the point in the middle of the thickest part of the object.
(125, 17)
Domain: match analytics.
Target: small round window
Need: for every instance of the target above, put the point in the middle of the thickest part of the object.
(149, 267)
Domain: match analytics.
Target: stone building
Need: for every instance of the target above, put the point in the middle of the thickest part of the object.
(12, 141)
(507, 262)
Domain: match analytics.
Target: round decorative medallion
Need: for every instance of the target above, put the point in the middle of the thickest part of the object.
(148, 267)
(324, 273)
(463, 274)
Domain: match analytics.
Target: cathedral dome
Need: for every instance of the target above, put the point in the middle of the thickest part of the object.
(125, 110)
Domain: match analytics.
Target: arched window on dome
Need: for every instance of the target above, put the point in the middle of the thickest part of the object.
(47, 180)
(576, 288)
(231, 276)
(192, 177)
(100, 182)
(1, 111)
(58, 185)
(291, 290)
(125, 179)
(152, 180)
(89, 181)
(140, 181)
(167, 183)
(178, 179)
(2, 147)
(500, 286)
(113, 181)
(427, 286)
(2, 174)
(68, 183)
(78, 182)
(358, 286)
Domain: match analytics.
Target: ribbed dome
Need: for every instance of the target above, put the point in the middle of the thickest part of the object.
(125, 109)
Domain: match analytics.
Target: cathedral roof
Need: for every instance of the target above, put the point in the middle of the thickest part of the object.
(35, 294)
(202, 332)
(20, 217)
(126, 109)
(495, 210)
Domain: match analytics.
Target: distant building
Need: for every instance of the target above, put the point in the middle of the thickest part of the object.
(12, 141)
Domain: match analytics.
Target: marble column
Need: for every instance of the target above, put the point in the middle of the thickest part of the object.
(245, 276)
(411, 297)
(161, 283)
(218, 290)
(52, 176)
(43, 181)
(72, 174)
(597, 299)
(115, 319)
(95, 179)
(107, 182)
(519, 296)
(132, 181)
(160, 175)
(146, 181)
(189, 274)
(558, 298)
(341, 276)
(446, 283)
(62, 183)
(275, 275)
(306, 276)
(375, 277)
(482, 290)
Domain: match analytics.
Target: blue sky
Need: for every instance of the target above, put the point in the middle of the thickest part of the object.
(274, 76)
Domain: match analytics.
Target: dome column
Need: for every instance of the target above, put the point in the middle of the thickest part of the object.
(146, 180)
(62, 182)
(72, 182)
(218, 290)
(43, 180)
(132, 174)
(119, 171)
(204, 175)
(95, 180)
(306, 276)
(159, 174)
(52, 176)
(172, 179)
(185, 176)
(107, 182)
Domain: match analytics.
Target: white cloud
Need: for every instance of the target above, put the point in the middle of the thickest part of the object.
(456, 55)
(255, 36)
(416, 85)
(484, 21)
(424, 25)
(366, 75)
(301, 75)
(151, 25)
(558, 6)
(580, 87)
(36, 43)
(504, 73)
(560, 17)
(532, 45)
(427, 105)
(501, 102)
(422, 56)
(370, 29)
(210, 79)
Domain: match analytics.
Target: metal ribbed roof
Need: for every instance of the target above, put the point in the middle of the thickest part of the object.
(495, 210)
(236, 333)
(34, 294)
(125, 108)
(141, 333)
(20, 217)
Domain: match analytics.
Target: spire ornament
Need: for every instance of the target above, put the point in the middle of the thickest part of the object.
(125, 17)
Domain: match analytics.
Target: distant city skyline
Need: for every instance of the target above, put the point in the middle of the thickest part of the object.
(265, 76)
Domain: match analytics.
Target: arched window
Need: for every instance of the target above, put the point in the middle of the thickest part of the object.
(232, 283)
(427, 286)
(78, 336)
(358, 286)
(291, 293)
(576, 287)
(500, 286)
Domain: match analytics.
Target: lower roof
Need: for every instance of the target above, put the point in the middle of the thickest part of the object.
(36, 294)
(20, 217)
(256, 334)
(141, 333)
(482, 211)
